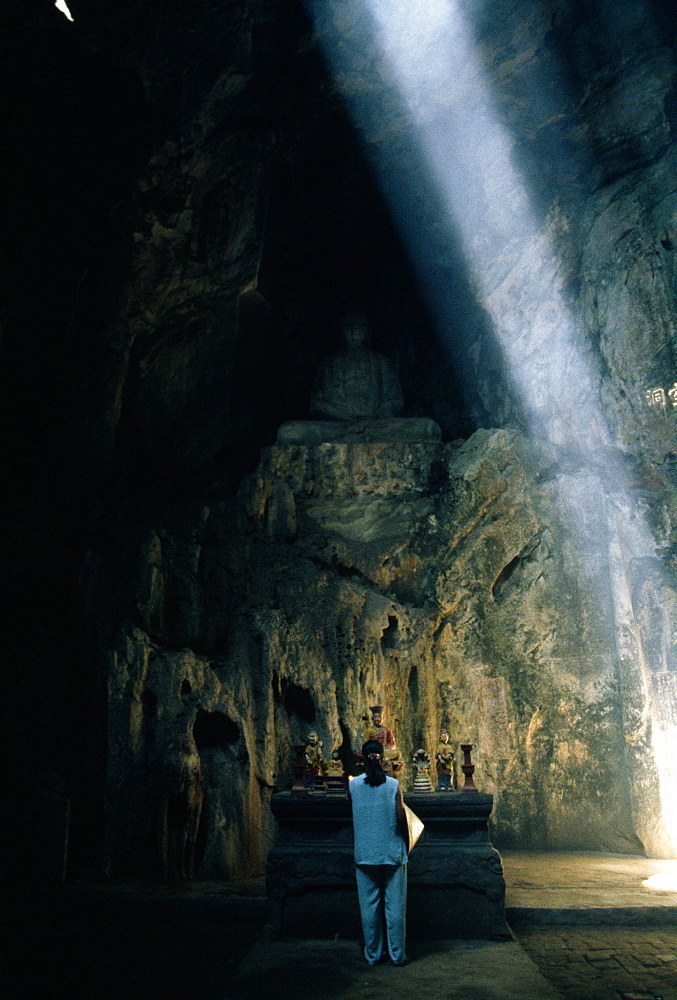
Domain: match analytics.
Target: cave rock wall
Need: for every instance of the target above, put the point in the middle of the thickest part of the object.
(495, 584)
(455, 593)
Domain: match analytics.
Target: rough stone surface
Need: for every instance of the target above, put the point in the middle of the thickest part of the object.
(516, 580)
(465, 601)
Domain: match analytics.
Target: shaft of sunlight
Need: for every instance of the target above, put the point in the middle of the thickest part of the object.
(424, 53)
(470, 155)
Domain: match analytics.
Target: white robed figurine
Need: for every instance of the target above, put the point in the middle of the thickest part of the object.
(421, 761)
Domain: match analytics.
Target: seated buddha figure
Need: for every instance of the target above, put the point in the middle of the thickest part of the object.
(356, 383)
(334, 773)
(357, 397)
(334, 766)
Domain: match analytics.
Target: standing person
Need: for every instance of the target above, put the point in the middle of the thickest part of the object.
(380, 856)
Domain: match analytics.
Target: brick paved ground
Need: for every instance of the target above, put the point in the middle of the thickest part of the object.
(590, 963)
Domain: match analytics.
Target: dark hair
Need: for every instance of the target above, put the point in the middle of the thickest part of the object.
(374, 773)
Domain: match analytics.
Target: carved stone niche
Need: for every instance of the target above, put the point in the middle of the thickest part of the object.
(455, 879)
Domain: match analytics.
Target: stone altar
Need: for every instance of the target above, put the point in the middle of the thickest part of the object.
(456, 885)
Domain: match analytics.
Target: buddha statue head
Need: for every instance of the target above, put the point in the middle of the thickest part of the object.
(355, 331)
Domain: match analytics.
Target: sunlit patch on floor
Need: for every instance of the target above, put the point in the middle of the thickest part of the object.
(665, 880)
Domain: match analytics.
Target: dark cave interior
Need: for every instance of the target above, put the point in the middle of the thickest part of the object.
(80, 130)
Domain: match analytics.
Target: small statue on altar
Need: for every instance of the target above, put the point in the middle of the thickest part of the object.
(421, 761)
(313, 760)
(334, 774)
(334, 766)
(378, 731)
(444, 764)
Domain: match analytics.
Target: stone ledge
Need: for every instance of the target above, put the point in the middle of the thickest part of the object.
(397, 429)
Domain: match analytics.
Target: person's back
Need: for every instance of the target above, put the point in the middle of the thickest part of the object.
(378, 840)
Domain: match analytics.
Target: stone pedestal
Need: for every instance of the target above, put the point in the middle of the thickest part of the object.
(318, 432)
(456, 886)
(354, 468)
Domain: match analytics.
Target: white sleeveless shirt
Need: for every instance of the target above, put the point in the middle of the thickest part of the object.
(378, 840)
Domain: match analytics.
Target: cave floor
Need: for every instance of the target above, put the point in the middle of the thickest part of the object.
(567, 887)
(584, 925)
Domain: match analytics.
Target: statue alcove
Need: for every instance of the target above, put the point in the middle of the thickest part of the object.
(331, 248)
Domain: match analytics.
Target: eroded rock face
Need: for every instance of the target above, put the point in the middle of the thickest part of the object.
(505, 583)
(483, 602)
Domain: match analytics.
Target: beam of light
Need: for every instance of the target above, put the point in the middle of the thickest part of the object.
(665, 749)
(63, 7)
(471, 156)
(413, 67)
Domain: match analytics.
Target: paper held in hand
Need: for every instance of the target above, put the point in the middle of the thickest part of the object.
(414, 827)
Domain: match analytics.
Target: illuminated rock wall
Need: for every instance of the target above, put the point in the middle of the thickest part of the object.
(498, 584)
(463, 602)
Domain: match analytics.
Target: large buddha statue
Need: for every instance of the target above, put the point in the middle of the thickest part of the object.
(357, 397)
(356, 383)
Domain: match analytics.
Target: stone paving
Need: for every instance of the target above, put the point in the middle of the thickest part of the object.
(437, 970)
(595, 963)
(586, 927)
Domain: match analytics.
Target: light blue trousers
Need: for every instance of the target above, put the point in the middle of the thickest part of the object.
(382, 892)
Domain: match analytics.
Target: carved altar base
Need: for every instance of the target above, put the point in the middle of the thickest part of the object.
(456, 886)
